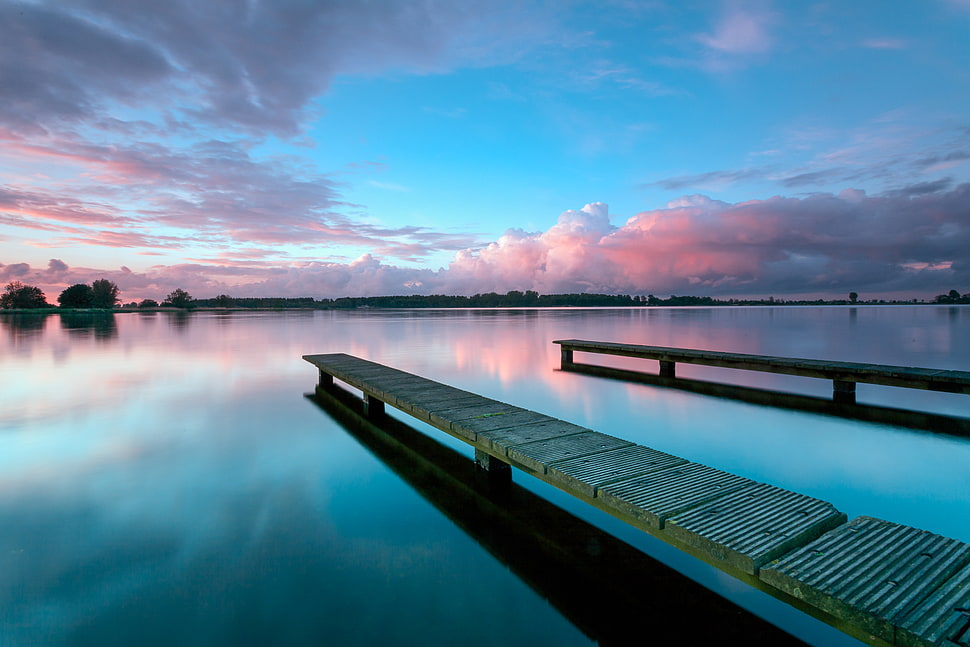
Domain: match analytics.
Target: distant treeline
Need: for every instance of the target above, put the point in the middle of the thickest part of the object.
(528, 299)
(513, 299)
(103, 294)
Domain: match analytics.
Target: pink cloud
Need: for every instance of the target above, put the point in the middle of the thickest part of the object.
(822, 243)
(908, 240)
(211, 193)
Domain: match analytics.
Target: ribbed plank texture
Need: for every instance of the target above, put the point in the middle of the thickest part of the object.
(540, 454)
(870, 572)
(589, 473)
(944, 615)
(655, 497)
(754, 525)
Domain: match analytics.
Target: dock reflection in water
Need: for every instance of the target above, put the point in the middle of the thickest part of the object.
(919, 420)
(608, 589)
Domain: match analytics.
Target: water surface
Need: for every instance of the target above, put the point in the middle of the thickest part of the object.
(163, 479)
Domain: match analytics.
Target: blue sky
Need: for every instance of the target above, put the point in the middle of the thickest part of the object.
(357, 148)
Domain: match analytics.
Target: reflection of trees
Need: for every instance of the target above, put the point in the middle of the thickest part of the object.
(179, 319)
(82, 324)
(21, 327)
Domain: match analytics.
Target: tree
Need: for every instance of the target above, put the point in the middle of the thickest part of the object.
(148, 303)
(853, 297)
(18, 295)
(76, 296)
(178, 298)
(104, 294)
(951, 297)
(225, 301)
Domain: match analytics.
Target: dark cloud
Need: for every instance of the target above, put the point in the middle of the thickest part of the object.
(682, 182)
(14, 271)
(56, 266)
(253, 66)
(922, 188)
(56, 66)
(822, 176)
(942, 160)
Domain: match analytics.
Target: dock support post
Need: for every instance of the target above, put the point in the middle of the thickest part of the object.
(325, 379)
(498, 471)
(565, 357)
(843, 391)
(667, 368)
(373, 408)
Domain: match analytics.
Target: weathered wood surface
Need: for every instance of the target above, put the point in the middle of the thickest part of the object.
(881, 582)
(904, 585)
(844, 374)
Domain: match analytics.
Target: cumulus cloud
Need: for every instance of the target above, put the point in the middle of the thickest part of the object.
(824, 243)
(56, 266)
(911, 242)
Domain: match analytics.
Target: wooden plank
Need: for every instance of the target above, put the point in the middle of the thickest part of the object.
(428, 405)
(587, 474)
(485, 423)
(501, 440)
(452, 416)
(754, 525)
(538, 455)
(413, 391)
(654, 498)
(943, 616)
(869, 572)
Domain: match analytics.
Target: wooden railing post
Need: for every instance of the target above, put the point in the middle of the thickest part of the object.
(843, 391)
(565, 357)
(667, 368)
(498, 471)
(373, 408)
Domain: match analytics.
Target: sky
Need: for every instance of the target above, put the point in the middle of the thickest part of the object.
(375, 147)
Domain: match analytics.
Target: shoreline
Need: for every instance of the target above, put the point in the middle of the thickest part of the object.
(775, 304)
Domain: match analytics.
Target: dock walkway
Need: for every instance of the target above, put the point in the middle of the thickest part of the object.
(879, 581)
(844, 375)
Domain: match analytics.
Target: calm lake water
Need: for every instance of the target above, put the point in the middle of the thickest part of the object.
(163, 479)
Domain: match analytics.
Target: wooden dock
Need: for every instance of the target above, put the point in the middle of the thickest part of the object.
(882, 582)
(844, 375)
(601, 584)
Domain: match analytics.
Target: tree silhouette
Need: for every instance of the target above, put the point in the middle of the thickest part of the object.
(19, 295)
(178, 298)
(853, 297)
(104, 294)
(76, 296)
